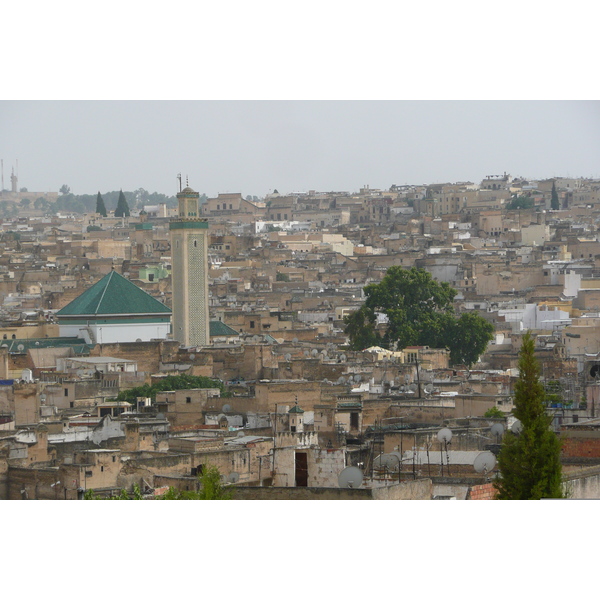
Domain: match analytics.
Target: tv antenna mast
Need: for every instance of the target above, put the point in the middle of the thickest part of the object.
(444, 436)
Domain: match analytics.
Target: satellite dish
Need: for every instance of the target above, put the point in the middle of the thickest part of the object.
(295, 341)
(226, 408)
(429, 388)
(357, 378)
(444, 435)
(314, 352)
(412, 387)
(484, 462)
(288, 357)
(497, 429)
(341, 380)
(20, 347)
(343, 358)
(306, 353)
(221, 416)
(192, 356)
(517, 427)
(388, 461)
(350, 477)
(233, 477)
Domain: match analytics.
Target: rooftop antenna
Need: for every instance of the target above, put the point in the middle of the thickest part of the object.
(2, 175)
(444, 436)
(350, 477)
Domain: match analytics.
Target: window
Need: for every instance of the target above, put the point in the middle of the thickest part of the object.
(251, 324)
(188, 400)
(66, 392)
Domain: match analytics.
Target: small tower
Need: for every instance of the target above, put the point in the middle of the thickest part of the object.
(296, 419)
(189, 273)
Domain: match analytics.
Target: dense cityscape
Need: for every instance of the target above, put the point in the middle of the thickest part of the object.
(322, 345)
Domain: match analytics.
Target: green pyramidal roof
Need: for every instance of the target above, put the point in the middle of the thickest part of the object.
(113, 295)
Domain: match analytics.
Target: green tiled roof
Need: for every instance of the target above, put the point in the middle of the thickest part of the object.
(113, 295)
(219, 328)
(295, 409)
(21, 346)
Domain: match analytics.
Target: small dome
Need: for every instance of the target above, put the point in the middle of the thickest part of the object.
(187, 190)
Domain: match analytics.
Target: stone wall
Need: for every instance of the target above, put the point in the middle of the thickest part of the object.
(412, 490)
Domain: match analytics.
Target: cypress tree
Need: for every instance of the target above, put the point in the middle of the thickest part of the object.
(100, 208)
(554, 199)
(122, 209)
(529, 462)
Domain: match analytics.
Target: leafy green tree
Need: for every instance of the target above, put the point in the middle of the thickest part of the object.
(24, 203)
(419, 311)
(122, 209)
(282, 277)
(468, 338)
(41, 203)
(520, 202)
(171, 382)
(100, 208)
(554, 205)
(64, 189)
(136, 494)
(494, 413)
(529, 462)
(211, 488)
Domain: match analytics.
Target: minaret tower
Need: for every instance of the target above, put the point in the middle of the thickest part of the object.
(189, 272)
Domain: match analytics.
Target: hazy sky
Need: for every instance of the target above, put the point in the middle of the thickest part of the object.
(254, 147)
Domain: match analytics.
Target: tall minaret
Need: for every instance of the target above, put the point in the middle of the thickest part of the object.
(189, 272)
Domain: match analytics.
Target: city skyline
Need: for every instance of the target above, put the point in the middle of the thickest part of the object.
(256, 147)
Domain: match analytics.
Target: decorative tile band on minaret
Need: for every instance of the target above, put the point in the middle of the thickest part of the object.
(189, 279)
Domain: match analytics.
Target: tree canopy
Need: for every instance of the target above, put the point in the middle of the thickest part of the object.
(100, 208)
(529, 462)
(169, 383)
(211, 488)
(419, 312)
(520, 202)
(554, 204)
(122, 209)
